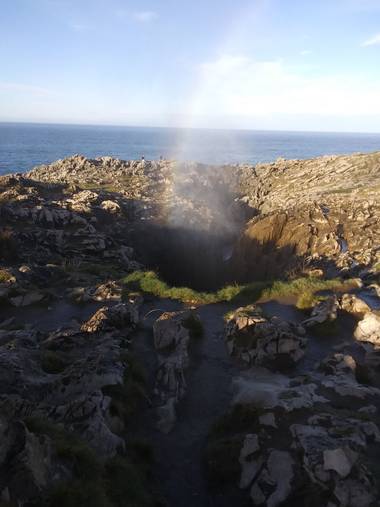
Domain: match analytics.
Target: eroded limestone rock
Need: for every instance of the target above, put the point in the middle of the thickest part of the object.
(261, 341)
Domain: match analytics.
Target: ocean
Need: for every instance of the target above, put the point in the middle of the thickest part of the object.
(24, 146)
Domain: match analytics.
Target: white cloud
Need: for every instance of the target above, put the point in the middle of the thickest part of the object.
(306, 52)
(373, 41)
(238, 86)
(145, 16)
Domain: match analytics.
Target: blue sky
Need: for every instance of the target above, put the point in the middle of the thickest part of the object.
(261, 64)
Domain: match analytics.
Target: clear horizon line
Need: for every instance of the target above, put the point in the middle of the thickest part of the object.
(131, 126)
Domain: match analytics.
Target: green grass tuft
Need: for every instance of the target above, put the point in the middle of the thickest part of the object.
(149, 282)
(308, 299)
(5, 276)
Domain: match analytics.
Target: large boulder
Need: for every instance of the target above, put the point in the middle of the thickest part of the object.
(353, 304)
(261, 341)
(169, 329)
(118, 316)
(368, 329)
(324, 311)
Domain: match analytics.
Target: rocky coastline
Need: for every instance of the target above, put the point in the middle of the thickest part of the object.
(287, 354)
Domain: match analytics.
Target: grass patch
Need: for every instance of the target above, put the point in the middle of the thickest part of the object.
(308, 299)
(376, 267)
(5, 276)
(149, 282)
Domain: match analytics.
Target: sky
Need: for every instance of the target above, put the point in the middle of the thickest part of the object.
(242, 64)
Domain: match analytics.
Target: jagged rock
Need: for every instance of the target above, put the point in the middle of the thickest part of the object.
(27, 299)
(29, 461)
(110, 206)
(171, 339)
(368, 329)
(324, 311)
(370, 409)
(257, 340)
(340, 376)
(268, 419)
(119, 316)
(353, 304)
(80, 294)
(168, 329)
(249, 466)
(108, 291)
(325, 462)
(375, 288)
(261, 387)
(24, 269)
(340, 460)
(167, 415)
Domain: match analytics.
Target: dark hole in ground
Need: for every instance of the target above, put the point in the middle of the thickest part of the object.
(184, 257)
(207, 261)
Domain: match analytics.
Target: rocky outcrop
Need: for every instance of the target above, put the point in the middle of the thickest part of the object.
(321, 208)
(353, 304)
(368, 329)
(172, 333)
(58, 382)
(260, 341)
(324, 311)
(295, 437)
